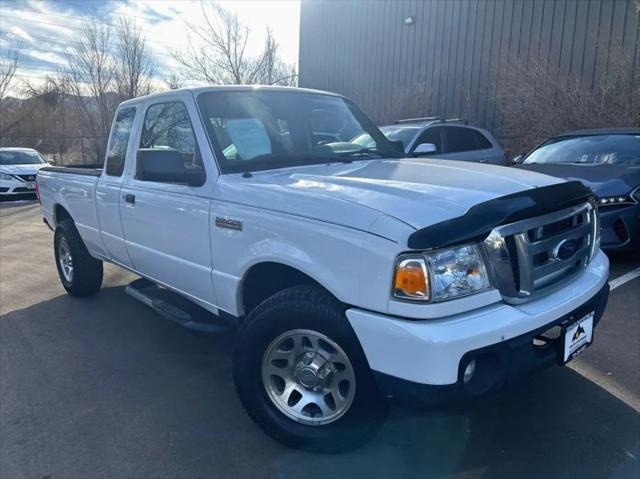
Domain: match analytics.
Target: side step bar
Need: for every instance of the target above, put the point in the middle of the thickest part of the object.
(176, 308)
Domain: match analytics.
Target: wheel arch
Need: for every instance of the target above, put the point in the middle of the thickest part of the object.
(60, 213)
(265, 278)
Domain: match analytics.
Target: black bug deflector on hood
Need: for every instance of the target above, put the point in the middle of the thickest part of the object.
(480, 219)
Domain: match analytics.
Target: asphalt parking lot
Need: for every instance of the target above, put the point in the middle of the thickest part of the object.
(104, 388)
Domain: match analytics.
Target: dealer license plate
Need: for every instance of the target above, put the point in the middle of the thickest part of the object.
(578, 336)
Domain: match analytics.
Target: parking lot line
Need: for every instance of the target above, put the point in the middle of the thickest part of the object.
(625, 278)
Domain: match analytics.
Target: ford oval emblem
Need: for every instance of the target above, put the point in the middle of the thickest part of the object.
(565, 249)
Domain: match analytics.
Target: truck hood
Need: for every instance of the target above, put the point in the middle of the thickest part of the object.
(417, 192)
(21, 169)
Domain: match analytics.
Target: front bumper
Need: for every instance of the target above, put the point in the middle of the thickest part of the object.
(435, 352)
(16, 187)
(496, 365)
(620, 227)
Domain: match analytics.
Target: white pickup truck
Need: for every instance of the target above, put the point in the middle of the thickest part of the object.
(355, 275)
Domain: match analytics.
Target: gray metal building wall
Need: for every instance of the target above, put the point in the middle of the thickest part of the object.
(364, 49)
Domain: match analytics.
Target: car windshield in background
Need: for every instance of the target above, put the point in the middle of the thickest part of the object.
(393, 133)
(589, 150)
(20, 158)
(403, 134)
(257, 130)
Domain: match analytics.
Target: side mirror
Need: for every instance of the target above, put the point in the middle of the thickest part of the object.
(166, 166)
(425, 149)
(517, 159)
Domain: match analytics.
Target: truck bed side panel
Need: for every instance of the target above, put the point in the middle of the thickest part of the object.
(76, 194)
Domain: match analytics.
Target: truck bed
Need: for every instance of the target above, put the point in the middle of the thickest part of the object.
(86, 170)
(72, 190)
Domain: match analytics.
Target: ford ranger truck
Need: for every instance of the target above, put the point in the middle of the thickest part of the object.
(354, 275)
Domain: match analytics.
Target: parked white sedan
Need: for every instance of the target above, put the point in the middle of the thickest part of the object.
(18, 170)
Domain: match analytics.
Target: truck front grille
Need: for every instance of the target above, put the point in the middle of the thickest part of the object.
(530, 256)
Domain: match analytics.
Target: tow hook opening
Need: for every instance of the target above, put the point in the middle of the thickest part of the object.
(547, 338)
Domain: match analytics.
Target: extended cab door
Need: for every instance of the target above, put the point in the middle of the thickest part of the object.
(121, 147)
(165, 219)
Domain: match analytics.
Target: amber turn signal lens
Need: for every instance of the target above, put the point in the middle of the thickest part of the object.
(411, 280)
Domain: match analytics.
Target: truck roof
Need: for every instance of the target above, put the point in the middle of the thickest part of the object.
(197, 90)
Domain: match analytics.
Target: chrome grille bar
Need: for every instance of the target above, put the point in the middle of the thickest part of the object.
(529, 256)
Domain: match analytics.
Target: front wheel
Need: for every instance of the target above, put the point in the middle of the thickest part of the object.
(80, 273)
(302, 376)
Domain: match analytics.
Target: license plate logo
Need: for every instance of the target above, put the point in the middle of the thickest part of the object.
(578, 336)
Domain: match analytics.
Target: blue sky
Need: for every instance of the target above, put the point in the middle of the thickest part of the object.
(45, 29)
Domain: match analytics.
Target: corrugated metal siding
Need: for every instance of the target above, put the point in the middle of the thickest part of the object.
(364, 50)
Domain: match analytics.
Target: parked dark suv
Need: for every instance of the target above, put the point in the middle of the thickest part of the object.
(607, 161)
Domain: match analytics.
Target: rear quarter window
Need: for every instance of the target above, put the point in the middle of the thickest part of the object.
(460, 139)
(482, 141)
(119, 140)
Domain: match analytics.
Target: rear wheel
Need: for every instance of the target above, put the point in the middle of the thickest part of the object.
(302, 376)
(80, 273)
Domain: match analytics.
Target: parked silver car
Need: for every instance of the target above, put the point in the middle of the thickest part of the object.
(447, 139)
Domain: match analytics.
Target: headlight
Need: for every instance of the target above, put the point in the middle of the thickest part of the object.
(635, 194)
(440, 275)
(4, 176)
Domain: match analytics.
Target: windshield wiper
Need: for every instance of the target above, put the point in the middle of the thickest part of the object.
(272, 162)
(360, 152)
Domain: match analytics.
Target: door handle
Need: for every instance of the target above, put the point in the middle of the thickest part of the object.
(129, 198)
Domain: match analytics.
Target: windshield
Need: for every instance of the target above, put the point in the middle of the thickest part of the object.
(18, 157)
(589, 150)
(257, 130)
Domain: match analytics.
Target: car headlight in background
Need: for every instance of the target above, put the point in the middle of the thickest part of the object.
(4, 176)
(440, 275)
(635, 194)
(619, 199)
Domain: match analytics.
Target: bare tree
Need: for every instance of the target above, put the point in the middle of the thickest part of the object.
(407, 100)
(57, 119)
(173, 82)
(535, 100)
(218, 55)
(271, 69)
(133, 66)
(90, 78)
(9, 60)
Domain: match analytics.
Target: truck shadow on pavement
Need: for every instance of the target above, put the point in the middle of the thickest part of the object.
(104, 387)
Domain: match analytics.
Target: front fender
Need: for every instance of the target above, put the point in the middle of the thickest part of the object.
(329, 254)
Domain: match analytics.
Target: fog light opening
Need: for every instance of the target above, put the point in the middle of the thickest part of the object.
(469, 371)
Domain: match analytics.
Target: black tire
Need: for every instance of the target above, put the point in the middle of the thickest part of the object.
(86, 278)
(305, 307)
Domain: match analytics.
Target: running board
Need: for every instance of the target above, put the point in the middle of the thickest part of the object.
(175, 307)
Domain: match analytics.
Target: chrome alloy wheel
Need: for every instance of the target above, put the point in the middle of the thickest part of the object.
(65, 259)
(308, 377)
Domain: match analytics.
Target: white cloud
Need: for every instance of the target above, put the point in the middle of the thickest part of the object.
(47, 57)
(47, 28)
(21, 34)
